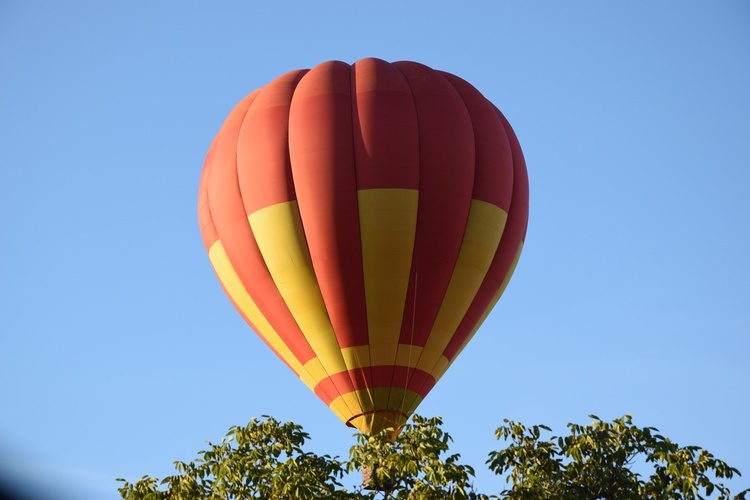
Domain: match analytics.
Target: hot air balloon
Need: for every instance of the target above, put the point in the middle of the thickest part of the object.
(364, 219)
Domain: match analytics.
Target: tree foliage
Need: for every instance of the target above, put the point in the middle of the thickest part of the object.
(412, 464)
(264, 459)
(600, 461)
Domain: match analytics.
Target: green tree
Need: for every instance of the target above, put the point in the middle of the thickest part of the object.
(412, 464)
(597, 462)
(265, 459)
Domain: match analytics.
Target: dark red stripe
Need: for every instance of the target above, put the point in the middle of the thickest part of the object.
(386, 132)
(513, 236)
(493, 179)
(446, 179)
(420, 382)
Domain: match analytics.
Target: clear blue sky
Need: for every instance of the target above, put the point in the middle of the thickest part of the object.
(120, 352)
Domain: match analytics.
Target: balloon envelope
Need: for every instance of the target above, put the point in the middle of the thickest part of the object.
(364, 219)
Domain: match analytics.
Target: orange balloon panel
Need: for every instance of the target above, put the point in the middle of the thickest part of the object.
(364, 219)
